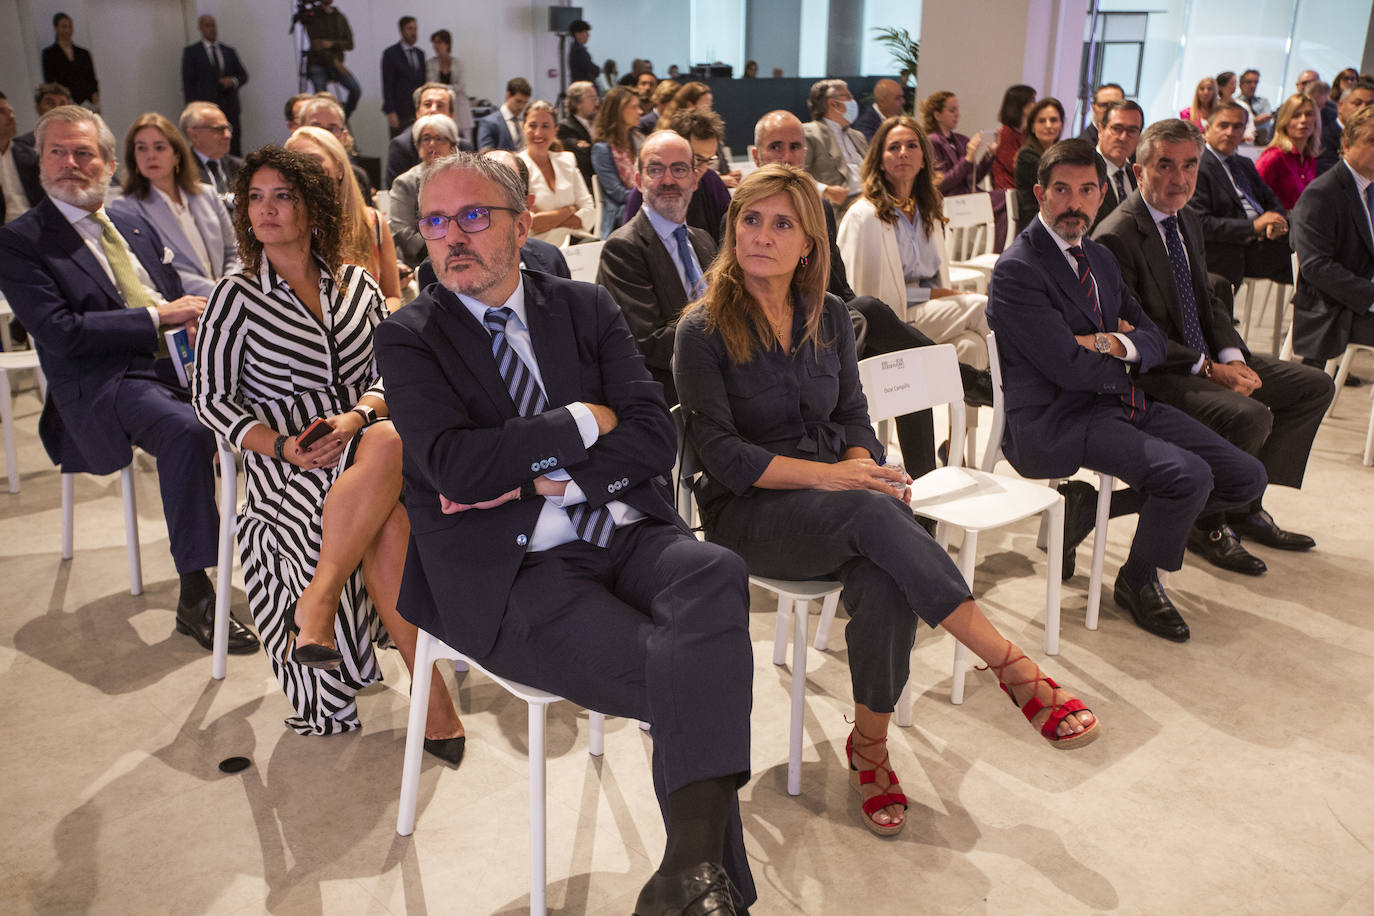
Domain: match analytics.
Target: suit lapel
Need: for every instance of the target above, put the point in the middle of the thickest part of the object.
(473, 345)
(666, 279)
(1060, 272)
(1352, 197)
(1156, 260)
(551, 338)
(62, 238)
(148, 254)
(1220, 175)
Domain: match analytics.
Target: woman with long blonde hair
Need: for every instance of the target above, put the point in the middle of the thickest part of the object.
(1204, 100)
(794, 478)
(366, 237)
(1289, 163)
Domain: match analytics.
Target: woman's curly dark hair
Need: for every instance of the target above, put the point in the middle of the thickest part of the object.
(317, 191)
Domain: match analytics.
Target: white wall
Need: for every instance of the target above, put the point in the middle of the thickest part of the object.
(622, 31)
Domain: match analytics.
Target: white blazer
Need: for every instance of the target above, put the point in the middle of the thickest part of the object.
(868, 247)
(571, 189)
(216, 232)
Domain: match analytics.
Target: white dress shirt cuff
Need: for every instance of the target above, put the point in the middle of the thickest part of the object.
(586, 423)
(1230, 355)
(157, 323)
(572, 495)
(1132, 354)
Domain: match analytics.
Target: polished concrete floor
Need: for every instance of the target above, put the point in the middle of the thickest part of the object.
(1235, 774)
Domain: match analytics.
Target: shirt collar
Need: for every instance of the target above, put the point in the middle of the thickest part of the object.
(208, 44)
(1215, 152)
(1360, 181)
(268, 279)
(662, 225)
(1158, 216)
(515, 302)
(75, 215)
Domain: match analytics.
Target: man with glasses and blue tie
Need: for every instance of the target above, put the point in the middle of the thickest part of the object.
(544, 544)
(653, 265)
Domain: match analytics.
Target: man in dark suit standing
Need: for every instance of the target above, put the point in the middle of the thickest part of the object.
(1268, 407)
(1356, 97)
(20, 188)
(502, 129)
(208, 129)
(581, 67)
(543, 540)
(1333, 306)
(95, 291)
(1244, 227)
(403, 71)
(1121, 125)
(211, 72)
(655, 264)
(1073, 343)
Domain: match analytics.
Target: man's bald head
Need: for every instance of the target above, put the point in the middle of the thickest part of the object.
(778, 137)
(887, 96)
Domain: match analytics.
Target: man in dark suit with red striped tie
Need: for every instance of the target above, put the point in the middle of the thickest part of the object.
(1073, 341)
(543, 540)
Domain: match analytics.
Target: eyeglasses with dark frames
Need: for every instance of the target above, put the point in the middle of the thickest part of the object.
(701, 162)
(655, 170)
(470, 221)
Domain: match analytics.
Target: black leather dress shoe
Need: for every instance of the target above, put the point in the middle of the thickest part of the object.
(1080, 517)
(1260, 527)
(196, 619)
(977, 386)
(702, 890)
(1151, 609)
(1221, 547)
(449, 750)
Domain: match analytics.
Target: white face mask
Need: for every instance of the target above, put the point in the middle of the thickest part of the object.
(851, 111)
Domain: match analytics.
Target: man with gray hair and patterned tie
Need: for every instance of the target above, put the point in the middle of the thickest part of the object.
(96, 291)
(544, 544)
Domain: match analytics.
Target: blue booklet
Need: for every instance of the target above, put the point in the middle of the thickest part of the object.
(183, 357)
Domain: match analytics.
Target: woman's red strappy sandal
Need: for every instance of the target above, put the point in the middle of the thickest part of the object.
(1033, 705)
(859, 778)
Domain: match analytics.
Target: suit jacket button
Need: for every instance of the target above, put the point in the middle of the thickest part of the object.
(610, 488)
(535, 466)
(553, 462)
(521, 540)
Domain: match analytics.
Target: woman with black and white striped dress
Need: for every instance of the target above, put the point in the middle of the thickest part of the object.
(323, 534)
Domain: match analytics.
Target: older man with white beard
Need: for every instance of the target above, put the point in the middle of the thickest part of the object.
(655, 264)
(96, 291)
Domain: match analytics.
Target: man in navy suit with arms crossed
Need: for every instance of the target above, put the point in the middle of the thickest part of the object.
(1073, 341)
(543, 540)
(95, 292)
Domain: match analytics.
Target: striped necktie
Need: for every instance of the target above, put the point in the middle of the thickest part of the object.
(1133, 399)
(592, 525)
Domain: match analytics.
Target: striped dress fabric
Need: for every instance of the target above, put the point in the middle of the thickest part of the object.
(263, 357)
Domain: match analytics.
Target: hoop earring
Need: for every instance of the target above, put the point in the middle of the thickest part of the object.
(804, 260)
(250, 233)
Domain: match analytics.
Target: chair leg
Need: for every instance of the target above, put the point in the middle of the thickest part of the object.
(1248, 289)
(1281, 295)
(68, 499)
(1053, 579)
(780, 631)
(970, 436)
(1104, 508)
(7, 421)
(596, 733)
(1286, 351)
(828, 608)
(1342, 373)
(228, 505)
(415, 732)
(968, 561)
(794, 750)
(126, 483)
(904, 703)
(538, 810)
(1368, 458)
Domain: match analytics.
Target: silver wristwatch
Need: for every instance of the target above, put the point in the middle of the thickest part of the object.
(1102, 343)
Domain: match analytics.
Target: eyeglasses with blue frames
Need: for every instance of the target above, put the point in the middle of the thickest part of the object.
(655, 170)
(471, 220)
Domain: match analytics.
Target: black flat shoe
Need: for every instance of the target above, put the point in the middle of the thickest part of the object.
(1261, 528)
(196, 619)
(311, 655)
(449, 750)
(1080, 517)
(977, 386)
(1151, 610)
(1222, 548)
(702, 890)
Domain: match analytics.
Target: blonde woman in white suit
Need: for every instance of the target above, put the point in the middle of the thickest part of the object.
(563, 206)
(162, 184)
(892, 241)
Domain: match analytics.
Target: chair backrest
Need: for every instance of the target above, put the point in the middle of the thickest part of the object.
(970, 226)
(686, 469)
(599, 200)
(1011, 219)
(583, 260)
(912, 380)
(382, 200)
(993, 453)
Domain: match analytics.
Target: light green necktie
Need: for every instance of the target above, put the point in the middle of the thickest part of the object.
(126, 278)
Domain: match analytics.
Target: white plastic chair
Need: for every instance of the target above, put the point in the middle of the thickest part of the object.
(126, 486)
(599, 200)
(429, 649)
(1280, 293)
(794, 601)
(583, 260)
(224, 572)
(971, 229)
(14, 361)
(1104, 485)
(956, 496)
